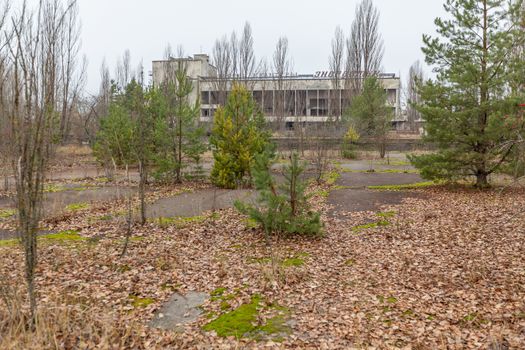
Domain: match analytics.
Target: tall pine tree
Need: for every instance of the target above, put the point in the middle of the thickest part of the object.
(468, 106)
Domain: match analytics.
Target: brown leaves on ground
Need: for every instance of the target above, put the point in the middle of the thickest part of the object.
(447, 272)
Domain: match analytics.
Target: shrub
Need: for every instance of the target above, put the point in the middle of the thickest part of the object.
(348, 147)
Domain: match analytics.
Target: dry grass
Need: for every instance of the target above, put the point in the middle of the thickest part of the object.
(66, 324)
(74, 150)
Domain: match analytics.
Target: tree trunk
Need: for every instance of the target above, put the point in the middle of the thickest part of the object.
(31, 260)
(142, 185)
(179, 160)
(482, 180)
(382, 150)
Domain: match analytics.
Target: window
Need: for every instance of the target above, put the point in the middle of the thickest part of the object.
(268, 102)
(205, 97)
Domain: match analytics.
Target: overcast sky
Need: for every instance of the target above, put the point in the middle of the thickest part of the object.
(145, 28)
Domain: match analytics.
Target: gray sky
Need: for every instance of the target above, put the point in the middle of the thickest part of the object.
(145, 27)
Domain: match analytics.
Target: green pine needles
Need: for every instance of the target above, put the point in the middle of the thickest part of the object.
(282, 207)
(471, 109)
(238, 135)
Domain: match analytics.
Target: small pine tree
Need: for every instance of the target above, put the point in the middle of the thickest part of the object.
(238, 135)
(282, 207)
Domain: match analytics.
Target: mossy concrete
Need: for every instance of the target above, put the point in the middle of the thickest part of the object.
(179, 310)
(242, 322)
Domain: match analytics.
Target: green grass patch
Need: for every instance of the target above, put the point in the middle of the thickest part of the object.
(403, 187)
(371, 225)
(77, 206)
(242, 322)
(7, 213)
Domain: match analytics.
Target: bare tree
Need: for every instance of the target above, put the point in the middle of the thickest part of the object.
(4, 75)
(71, 70)
(281, 69)
(34, 57)
(123, 71)
(415, 76)
(336, 63)
(364, 47)
(234, 55)
(247, 55)
(222, 61)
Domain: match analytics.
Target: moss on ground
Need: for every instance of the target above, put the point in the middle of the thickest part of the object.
(52, 188)
(141, 302)
(331, 177)
(371, 225)
(218, 292)
(7, 213)
(242, 322)
(386, 214)
(68, 235)
(77, 206)
(178, 221)
(322, 193)
(403, 187)
(350, 262)
(8, 242)
(107, 217)
(59, 237)
(293, 262)
(251, 223)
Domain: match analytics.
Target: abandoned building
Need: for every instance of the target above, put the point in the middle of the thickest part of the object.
(306, 99)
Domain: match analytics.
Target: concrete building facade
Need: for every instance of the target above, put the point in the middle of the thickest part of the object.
(309, 98)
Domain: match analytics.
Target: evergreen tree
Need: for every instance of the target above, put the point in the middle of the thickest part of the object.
(114, 138)
(238, 135)
(370, 113)
(282, 207)
(468, 106)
